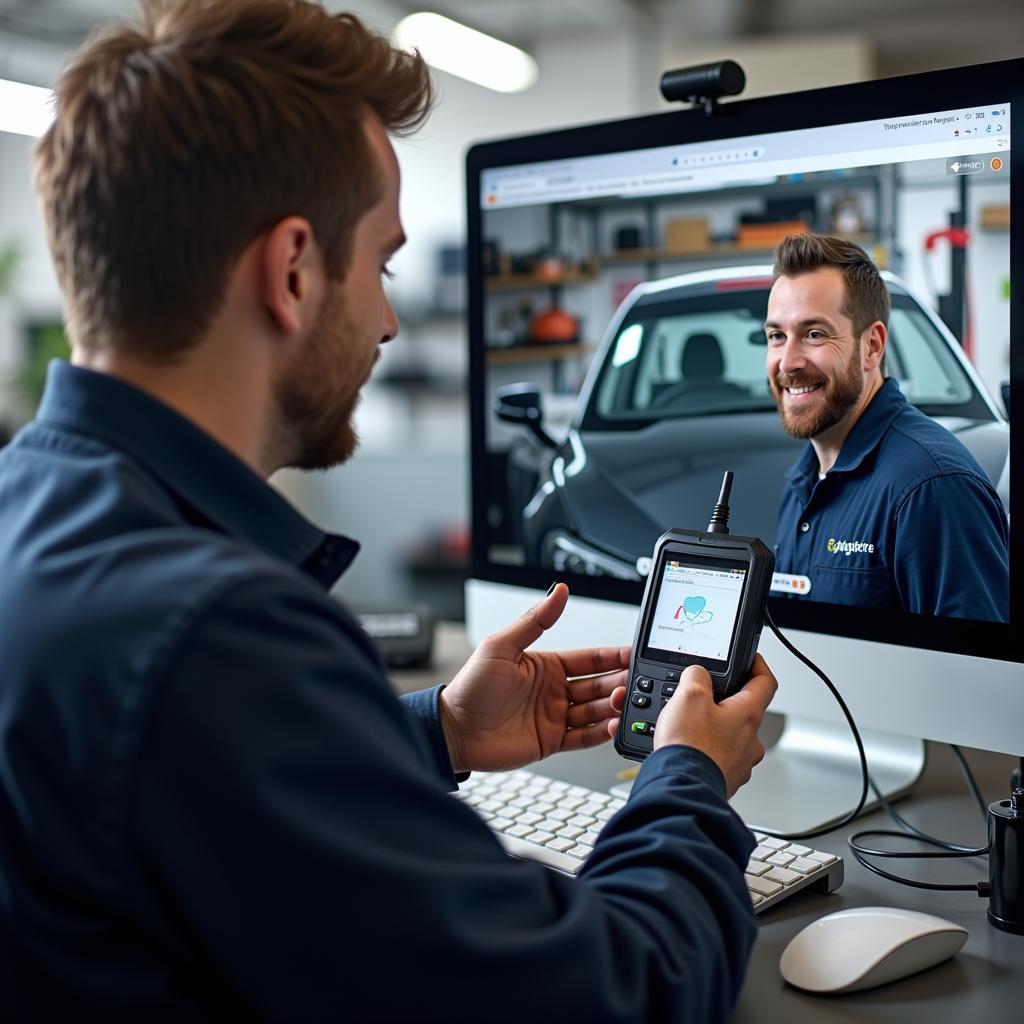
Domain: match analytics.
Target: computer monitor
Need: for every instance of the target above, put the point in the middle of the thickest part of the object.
(618, 282)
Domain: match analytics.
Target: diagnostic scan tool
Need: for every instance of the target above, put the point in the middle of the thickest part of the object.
(704, 605)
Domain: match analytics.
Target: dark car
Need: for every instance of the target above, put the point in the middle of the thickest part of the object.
(677, 393)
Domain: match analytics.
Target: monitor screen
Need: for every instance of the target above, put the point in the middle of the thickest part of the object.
(623, 354)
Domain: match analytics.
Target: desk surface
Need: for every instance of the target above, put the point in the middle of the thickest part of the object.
(983, 983)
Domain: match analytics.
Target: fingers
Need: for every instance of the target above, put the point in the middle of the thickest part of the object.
(589, 736)
(759, 689)
(530, 626)
(579, 715)
(618, 699)
(595, 687)
(693, 681)
(593, 660)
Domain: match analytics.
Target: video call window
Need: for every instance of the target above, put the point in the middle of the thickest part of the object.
(630, 291)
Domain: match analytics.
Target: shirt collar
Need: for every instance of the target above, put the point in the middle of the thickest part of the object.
(803, 474)
(187, 461)
(867, 432)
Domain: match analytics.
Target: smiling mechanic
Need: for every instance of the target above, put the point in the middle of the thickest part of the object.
(885, 508)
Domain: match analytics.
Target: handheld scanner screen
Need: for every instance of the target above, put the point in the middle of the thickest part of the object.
(695, 611)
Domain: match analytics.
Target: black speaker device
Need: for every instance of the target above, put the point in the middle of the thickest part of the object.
(1006, 863)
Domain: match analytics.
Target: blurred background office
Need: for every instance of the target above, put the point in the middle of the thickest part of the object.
(405, 493)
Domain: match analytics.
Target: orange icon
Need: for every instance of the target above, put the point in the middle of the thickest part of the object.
(997, 164)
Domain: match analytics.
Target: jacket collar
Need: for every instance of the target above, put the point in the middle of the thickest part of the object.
(203, 474)
(868, 431)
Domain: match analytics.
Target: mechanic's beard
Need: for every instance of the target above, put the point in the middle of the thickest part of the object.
(317, 398)
(841, 395)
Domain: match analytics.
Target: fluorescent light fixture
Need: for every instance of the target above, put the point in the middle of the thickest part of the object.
(25, 109)
(463, 51)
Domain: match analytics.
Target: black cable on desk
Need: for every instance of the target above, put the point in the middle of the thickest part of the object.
(947, 849)
(979, 887)
(916, 833)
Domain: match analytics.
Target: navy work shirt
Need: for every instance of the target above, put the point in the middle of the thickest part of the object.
(906, 519)
(212, 806)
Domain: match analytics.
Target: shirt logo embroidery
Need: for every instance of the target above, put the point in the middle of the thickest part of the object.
(850, 547)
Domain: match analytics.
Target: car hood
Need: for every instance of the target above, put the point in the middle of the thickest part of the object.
(623, 489)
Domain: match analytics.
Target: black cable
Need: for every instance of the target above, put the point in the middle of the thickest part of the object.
(972, 785)
(814, 833)
(947, 849)
(981, 888)
(860, 853)
(854, 844)
(915, 832)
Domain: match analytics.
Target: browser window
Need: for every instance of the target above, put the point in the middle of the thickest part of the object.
(630, 290)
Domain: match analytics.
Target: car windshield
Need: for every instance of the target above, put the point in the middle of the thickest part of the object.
(705, 354)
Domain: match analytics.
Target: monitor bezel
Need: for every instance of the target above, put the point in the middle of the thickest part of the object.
(977, 85)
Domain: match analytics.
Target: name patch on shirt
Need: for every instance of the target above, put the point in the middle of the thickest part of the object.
(850, 547)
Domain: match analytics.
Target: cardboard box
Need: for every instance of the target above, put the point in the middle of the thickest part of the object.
(995, 218)
(767, 236)
(687, 234)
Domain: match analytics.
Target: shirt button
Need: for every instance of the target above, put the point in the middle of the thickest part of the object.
(804, 527)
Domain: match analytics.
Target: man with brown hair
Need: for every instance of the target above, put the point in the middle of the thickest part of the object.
(211, 804)
(886, 508)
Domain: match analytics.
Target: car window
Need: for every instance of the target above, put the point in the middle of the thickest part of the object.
(687, 357)
(919, 357)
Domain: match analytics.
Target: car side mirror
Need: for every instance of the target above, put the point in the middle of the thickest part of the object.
(521, 405)
(1004, 390)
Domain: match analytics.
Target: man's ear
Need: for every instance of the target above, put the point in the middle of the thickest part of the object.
(874, 345)
(292, 274)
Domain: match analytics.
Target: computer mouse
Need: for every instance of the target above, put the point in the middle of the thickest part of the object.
(863, 947)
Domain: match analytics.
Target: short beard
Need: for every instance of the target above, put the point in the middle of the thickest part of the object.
(315, 421)
(841, 395)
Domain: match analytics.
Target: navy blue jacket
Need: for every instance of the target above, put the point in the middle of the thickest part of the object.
(905, 519)
(212, 807)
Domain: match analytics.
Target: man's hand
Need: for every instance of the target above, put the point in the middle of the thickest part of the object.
(509, 707)
(726, 732)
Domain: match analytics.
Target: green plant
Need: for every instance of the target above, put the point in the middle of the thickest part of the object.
(46, 341)
(10, 257)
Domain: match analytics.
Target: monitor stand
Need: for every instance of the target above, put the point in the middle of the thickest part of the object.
(811, 777)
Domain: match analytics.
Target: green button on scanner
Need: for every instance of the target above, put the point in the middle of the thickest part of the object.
(639, 727)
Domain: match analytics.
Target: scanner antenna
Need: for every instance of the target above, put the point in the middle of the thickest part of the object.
(720, 517)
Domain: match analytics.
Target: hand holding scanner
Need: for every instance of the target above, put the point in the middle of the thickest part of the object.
(704, 604)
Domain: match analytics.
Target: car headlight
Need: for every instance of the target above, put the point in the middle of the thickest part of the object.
(569, 554)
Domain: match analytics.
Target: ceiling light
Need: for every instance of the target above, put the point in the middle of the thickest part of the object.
(25, 109)
(463, 51)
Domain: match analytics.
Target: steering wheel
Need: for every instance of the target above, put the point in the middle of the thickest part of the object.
(683, 388)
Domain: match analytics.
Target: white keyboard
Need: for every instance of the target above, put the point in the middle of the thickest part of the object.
(537, 818)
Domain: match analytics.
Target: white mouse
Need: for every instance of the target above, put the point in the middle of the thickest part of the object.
(867, 946)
